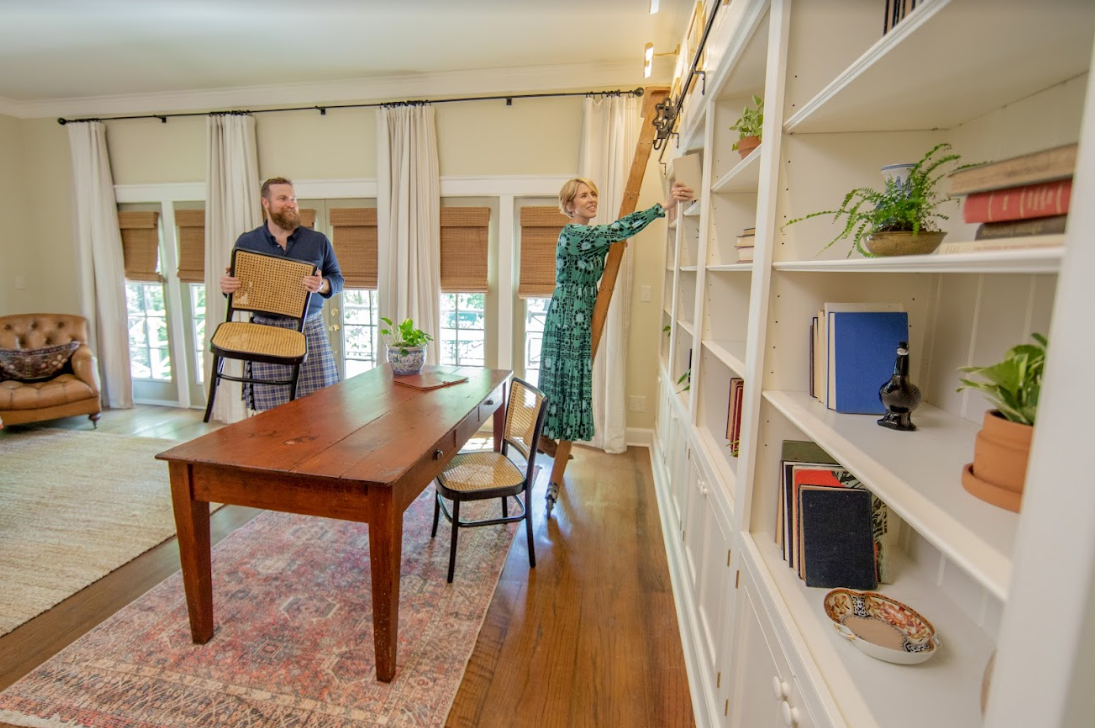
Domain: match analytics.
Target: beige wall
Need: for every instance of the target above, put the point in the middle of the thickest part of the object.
(531, 137)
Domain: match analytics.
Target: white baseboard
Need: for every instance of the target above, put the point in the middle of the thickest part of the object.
(640, 437)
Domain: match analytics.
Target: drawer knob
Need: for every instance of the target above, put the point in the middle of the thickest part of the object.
(779, 688)
(438, 454)
(490, 402)
(790, 715)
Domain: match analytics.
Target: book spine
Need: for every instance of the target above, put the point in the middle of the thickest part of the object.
(1020, 228)
(1018, 203)
(1025, 243)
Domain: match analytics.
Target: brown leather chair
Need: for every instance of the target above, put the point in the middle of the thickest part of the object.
(74, 390)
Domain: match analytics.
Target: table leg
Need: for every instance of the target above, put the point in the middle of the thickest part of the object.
(500, 421)
(385, 549)
(192, 526)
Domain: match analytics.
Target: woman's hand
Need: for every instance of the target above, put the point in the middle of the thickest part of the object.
(677, 193)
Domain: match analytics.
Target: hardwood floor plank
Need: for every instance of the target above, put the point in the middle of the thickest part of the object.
(587, 638)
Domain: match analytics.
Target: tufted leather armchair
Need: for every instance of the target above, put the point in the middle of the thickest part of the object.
(73, 391)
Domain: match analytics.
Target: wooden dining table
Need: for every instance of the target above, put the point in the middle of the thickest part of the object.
(361, 450)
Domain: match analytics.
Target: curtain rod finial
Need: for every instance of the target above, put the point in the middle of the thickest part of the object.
(62, 121)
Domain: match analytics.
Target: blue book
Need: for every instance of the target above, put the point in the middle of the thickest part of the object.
(862, 348)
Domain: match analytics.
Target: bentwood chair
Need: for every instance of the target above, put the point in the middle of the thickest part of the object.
(478, 476)
(269, 285)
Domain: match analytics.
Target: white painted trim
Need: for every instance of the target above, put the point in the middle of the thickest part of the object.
(640, 437)
(507, 260)
(9, 107)
(334, 189)
(171, 191)
(514, 185)
(492, 82)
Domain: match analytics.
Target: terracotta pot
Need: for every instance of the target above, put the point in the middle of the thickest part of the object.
(746, 145)
(902, 243)
(999, 468)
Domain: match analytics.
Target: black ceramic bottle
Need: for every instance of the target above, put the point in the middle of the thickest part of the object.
(899, 395)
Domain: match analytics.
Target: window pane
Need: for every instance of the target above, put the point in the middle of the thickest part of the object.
(197, 305)
(161, 365)
(463, 329)
(358, 329)
(535, 315)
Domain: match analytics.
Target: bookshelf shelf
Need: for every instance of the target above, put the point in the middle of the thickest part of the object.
(872, 692)
(689, 269)
(1030, 260)
(951, 83)
(743, 177)
(926, 492)
(717, 453)
(692, 210)
(730, 353)
(687, 326)
(730, 268)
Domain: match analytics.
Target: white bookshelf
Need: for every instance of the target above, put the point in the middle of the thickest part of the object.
(841, 100)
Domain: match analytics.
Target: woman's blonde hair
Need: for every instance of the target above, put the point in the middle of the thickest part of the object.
(570, 191)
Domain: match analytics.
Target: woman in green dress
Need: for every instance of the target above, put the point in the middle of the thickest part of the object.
(566, 368)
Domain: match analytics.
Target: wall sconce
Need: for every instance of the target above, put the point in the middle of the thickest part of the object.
(649, 55)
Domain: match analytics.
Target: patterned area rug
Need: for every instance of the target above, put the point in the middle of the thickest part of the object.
(74, 506)
(294, 639)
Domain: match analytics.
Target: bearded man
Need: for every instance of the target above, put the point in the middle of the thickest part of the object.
(283, 235)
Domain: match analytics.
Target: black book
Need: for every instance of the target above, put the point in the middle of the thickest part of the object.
(837, 543)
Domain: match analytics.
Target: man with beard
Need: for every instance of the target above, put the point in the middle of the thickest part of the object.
(283, 235)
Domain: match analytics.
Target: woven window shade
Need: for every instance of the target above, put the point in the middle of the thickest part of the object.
(353, 234)
(140, 245)
(191, 224)
(540, 228)
(464, 249)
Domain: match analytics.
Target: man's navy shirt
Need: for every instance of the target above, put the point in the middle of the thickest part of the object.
(304, 244)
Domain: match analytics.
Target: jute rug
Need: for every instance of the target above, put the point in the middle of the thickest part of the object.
(74, 506)
(294, 639)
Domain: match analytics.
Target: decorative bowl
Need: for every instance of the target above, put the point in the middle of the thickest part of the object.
(902, 243)
(881, 627)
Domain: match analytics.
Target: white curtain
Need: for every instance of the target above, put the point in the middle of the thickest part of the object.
(610, 130)
(409, 219)
(232, 207)
(99, 255)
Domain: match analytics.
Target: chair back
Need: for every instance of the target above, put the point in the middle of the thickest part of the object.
(525, 419)
(269, 284)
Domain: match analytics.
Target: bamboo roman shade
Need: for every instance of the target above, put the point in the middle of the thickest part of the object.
(464, 249)
(353, 235)
(140, 245)
(191, 224)
(540, 227)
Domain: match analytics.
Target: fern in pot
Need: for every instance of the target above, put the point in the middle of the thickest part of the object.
(1002, 448)
(406, 346)
(901, 219)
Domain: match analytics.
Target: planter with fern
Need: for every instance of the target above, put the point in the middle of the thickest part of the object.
(748, 127)
(901, 218)
(406, 346)
(1002, 448)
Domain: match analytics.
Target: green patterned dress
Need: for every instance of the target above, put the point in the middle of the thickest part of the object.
(566, 368)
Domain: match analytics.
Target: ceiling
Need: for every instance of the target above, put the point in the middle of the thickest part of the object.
(119, 55)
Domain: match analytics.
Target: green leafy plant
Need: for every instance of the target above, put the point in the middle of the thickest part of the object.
(686, 380)
(1013, 385)
(751, 120)
(909, 206)
(666, 330)
(405, 335)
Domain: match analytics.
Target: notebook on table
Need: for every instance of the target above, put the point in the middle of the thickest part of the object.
(430, 378)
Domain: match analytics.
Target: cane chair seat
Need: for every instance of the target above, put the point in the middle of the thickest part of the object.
(270, 285)
(474, 471)
(247, 338)
(486, 475)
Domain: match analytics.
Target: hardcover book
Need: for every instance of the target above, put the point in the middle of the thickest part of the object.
(836, 538)
(861, 349)
(1018, 203)
(1053, 225)
(1027, 243)
(1046, 165)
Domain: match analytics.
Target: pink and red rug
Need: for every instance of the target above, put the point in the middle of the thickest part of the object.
(294, 640)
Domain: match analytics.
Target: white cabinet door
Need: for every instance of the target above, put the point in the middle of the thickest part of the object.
(714, 610)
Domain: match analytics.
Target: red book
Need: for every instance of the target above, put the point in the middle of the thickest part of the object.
(1018, 203)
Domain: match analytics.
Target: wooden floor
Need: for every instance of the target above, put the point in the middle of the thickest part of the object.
(587, 638)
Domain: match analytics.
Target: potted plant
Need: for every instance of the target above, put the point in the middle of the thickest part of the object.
(748, 127)
(900, 219)
(406, 346)
(1002, 447)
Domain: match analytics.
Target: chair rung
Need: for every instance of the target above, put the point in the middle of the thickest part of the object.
(490, 522)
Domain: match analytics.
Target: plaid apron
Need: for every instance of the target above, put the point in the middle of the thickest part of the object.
(317, 371)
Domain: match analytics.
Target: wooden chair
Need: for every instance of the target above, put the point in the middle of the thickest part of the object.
(483, 475)
(269, 285)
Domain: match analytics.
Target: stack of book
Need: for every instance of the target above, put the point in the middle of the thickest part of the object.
(853, 347)
(733, 415)
(831, 530)
(745, 245)
(1021, 202)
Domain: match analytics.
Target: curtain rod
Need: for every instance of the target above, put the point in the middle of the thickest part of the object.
(508, 98)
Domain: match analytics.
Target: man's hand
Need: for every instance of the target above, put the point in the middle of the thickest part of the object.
(314, 283)
(228, 283)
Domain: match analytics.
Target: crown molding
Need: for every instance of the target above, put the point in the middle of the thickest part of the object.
(531, 79)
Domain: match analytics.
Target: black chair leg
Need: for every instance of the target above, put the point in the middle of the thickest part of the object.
(528, 529)
(455, 533)
(505, 507)
(217, 364)
(293, 386)
(436, 513)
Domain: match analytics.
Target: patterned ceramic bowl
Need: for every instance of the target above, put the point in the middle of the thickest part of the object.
(881, 627)
(406, 359)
